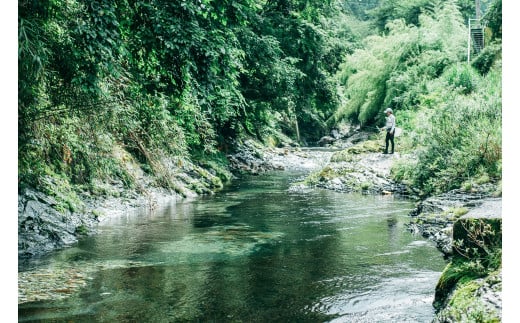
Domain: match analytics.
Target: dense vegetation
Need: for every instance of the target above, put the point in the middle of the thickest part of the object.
(101, 82)
(157, 78)
(450, 110)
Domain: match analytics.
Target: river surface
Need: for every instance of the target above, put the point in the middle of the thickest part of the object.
(256, 252)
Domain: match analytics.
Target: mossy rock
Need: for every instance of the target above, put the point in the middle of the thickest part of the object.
(82, 230)
(63, 192)
(343, 156)
(445, 285)
(455, 274)
(454, 213)
(465, 306)
(369, 146)
(483, 179)
(326, 173)
(349, 154)
(366, 186)
(477, 244)
(460, 211)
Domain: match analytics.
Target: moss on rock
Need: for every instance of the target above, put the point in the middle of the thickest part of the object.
(466, 304)
(350, 154)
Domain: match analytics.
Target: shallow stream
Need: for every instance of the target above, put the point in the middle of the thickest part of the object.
(255, 252)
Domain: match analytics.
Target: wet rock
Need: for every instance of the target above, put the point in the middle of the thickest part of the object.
(358, 169)
(250, 159)
(326, 140)
(440, 219)
(351, 138)
(434, 217)
(254, 159)
(41, 228)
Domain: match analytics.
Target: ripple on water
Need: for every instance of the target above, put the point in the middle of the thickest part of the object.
(260, 255)
(387, 300)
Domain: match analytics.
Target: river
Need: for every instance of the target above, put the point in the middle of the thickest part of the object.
(255, 252)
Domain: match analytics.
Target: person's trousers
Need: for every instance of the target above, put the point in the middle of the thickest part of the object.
(389, 138)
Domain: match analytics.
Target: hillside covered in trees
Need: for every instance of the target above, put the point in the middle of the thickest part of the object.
(120, 98)
(174, 82)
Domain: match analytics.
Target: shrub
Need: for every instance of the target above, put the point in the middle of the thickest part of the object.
(461, 77)
(487, 57)
(459, 138)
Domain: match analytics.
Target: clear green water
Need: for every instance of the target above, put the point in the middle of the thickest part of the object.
(253, 253)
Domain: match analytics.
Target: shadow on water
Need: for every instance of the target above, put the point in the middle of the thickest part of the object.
(255, 252)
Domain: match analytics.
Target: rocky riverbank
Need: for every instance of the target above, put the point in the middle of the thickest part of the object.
(43, 226)
(475, 295)
(351, 164)
(51, 221)
(57, 219)
(360, 167)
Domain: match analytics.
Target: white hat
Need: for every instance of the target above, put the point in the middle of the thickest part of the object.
(388, 110)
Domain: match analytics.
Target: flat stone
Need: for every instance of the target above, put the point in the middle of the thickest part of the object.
(489, 209)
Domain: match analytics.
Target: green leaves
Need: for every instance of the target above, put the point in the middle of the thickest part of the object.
(461, 77)
(459, 132)
(392, 70)
(182, 77)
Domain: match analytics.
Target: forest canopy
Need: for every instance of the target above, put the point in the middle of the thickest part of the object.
(188, 79)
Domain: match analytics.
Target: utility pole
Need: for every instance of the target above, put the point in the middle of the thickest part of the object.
(477, 10)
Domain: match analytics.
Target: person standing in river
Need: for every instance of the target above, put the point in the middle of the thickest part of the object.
(390, 129)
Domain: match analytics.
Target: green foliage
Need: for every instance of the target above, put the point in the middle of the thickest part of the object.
(217, 165)
(477, 254)
(59, 188)
(160, 79)
(393, 70)
(464, 306)
(460, 139)
(404, 9)
(479, 241)
(455, 272)
(361, 9)
(487, 57)
(82, 230)
(293, 49)
(461, 77)
(493, 19)
(456, 123)
(179, 81)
